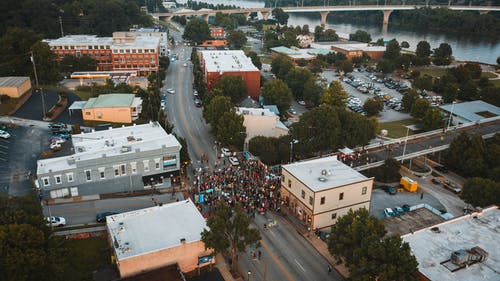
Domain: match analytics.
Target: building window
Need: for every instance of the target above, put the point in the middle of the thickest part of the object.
(363, 190)
(310, 200)
(46, 181)
(334, 216)
(282, 178)
(157, 163)
(117, 171)
(87, 175)
(289, 184)
(341, 196)
(69, 176)
(133, 167)
(139, 51)
(58, 179)
(322, 200)
(123, 169)
(146, 165)
(303, 194)
(101, 173)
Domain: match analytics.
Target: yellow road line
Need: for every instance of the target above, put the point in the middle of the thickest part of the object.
(287, 274)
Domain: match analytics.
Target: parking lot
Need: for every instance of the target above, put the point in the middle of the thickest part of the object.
(18, 156)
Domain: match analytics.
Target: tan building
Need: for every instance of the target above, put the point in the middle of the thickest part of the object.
(151, 238)
(114, 108)
(261, 122)
(321, 190)
(14, 86)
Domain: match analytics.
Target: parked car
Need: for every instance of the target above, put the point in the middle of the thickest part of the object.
(185, 65)
(101, 217)
(197, 102)
(57, 126)
(56, 221)
(170, 91)
(225, 151)
(234, 161)
(406, 207)
(436, 181)
(301, 102)
(452, 187)
(62, 136)
(4, 134)
(292, 111)
(388, 212)
(398, 210)
(389, 189)
(61, 131)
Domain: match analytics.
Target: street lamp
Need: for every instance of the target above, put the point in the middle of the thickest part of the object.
(248, 275)
(451, 113)
(406, 140)
(294, 141)
(36, 81)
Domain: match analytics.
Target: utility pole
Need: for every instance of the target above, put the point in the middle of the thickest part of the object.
(60, 23)
(37, 86)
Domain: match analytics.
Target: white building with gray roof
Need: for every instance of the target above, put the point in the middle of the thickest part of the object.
(116, 160)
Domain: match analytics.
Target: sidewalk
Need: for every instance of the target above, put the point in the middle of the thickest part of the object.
(315, 241)
(224, 269)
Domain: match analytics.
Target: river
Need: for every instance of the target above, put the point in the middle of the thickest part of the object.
(465, 47)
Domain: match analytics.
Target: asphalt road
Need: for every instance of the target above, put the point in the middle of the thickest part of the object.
(286, 256)
(82, 213)
(181, 111)
(19, 153)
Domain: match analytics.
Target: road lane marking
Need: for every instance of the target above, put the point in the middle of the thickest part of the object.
(287, 274)
(272, 233)
(301, 267)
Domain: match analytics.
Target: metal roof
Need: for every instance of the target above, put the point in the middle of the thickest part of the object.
(110, 100)
(13, 81)
(468, 110)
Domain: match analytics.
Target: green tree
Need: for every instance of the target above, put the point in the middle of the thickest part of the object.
(231, 86)
(423, 82)
(318, 129)
(351, 232)
(255, 59)
(474, 69)
(196, 30)
(408, 99)
(230, 129)
(296, 79)
(15, 47)
(280, 66)
(481, 192)
(278, 93)
(389, 172)
(419, 108)
(229, 232)
(313, 93)
(335, 95)
(423, 49)
(280, 16)
(360, 36)
(432, 119)
(46, 64)
(386, 66)
(321, 35)
(373, 106)
(405, 45)
(215, 110)
(442, 55)
(163, 121)
(270, 151)
(184, 154)
(393, 50)
(345, 66)
(356, 129)
(237, 39)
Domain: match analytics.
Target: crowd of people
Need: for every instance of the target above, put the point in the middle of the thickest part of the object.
(251, 184)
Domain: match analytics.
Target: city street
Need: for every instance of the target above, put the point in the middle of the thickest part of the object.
(286, 255)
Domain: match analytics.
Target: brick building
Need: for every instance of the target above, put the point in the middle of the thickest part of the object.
(218, 33)
(216, 64)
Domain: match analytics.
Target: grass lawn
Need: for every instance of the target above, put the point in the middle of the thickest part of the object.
(396, 129)
(488, 75)
(495, 83)
(433, 72)
(85, 256)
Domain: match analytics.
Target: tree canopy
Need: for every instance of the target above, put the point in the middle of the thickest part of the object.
(230, 130)
(280, 16)
(335, 95)
(281, 65)
(231, 86)
(481, 192)
(296, 79)
(360, 36)
(373, 106)
(237, 39)
(196, 31)
(215, 110)
(230, 232)
(277, 92)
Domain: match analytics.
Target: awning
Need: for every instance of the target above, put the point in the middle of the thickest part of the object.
(78, 105)
(346, 151)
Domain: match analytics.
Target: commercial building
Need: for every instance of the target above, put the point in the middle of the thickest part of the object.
(113, 108)
(151, 238)
(470, 111)
(261, 122)
(160, 33)
(465, 248)
(218, 33)
(352, 49)
(217, 64)
(296, 54)
(14, 86)
(116, 160)
(305, 40)
(137, 50)
(321, 190)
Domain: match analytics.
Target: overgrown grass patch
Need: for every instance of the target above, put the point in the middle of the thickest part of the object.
(397, 129)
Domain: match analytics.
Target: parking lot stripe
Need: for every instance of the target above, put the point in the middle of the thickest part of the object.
(3, 146)
(3, 152)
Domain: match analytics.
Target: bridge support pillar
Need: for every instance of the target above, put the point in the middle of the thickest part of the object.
(323, 18)
(206, 17)
(247, 15)
(265, 15)
(483, 12)
(387, 13)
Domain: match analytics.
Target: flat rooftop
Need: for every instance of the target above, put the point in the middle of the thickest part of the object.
(153, 229)
(477, 229)
(411, 221)
(110, 100)
(71, 40)
(13, 81)
(472, 110)
(227, 61)
(255, 111)
(324, 173)
(149, 42)
(111, 142)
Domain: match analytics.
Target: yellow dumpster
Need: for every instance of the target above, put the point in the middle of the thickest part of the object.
(409, 184)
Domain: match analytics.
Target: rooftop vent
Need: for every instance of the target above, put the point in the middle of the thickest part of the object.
(130, 138)
(436, 229)
(125, 149)
(322, 179)
(183, 240)
(324, 172)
